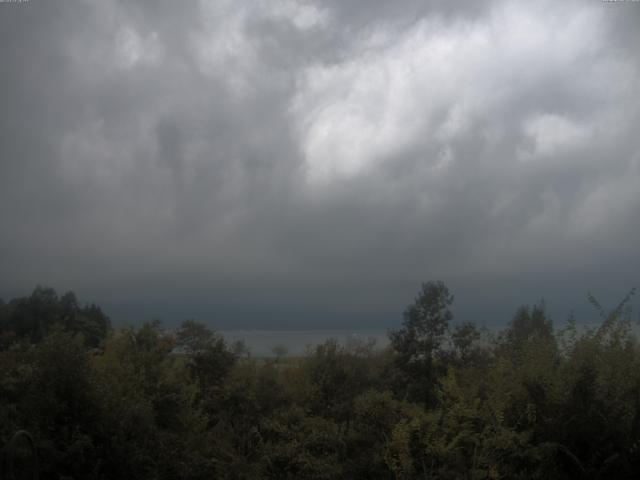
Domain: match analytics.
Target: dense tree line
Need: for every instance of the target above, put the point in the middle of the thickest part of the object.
(442, 401)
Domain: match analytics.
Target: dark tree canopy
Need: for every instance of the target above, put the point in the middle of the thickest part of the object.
(32, 318)
(193, 336)
(209, 357)
(464, 339)
(425, 323)
(419, 341)
(440, 403)
(529, 322)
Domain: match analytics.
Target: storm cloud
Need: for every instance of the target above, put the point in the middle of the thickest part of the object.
(269, 163)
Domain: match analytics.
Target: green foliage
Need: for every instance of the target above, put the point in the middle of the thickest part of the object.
(465, 340)
(425, 323)
(529, 323)
(302, 446)
(32, 318)
(147, 403)
(209, 358)
(418, 344)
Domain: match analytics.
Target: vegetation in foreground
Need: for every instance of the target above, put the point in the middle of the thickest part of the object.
(442, 402)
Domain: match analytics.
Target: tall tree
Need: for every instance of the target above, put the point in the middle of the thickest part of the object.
(529, 323)
(210, 360)
(418, 343)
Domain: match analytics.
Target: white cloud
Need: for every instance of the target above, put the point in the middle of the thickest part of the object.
(226, 50)
(432, 82)
(185, 177)
(132, 49)
(554, 133)
(304, 16)
(222, 47)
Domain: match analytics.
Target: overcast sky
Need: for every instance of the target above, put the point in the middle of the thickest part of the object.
(307, 164)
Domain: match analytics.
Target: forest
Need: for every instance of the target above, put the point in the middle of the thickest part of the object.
(80, 399)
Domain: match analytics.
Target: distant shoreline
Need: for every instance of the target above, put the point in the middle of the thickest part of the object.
(261, 342)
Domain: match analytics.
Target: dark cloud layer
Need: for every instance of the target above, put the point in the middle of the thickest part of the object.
(309, 163)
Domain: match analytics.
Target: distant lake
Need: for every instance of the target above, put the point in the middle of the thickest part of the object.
(261, 342)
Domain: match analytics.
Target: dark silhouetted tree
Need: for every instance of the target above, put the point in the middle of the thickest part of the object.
(465, 338)
(529, 323)
(418, 344)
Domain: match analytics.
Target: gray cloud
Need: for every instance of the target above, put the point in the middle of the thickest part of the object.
(272, 163)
